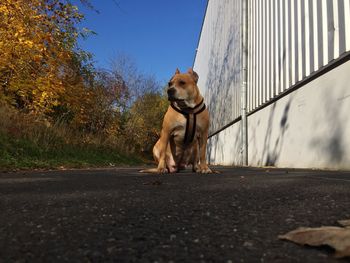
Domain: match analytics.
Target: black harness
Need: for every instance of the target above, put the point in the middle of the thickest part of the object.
(190, 115)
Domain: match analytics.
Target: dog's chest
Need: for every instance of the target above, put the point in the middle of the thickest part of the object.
(179, 131)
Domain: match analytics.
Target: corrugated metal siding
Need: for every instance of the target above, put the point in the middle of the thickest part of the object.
(218, 61)
(289, 40)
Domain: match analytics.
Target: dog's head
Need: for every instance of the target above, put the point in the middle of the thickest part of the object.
(183, 87)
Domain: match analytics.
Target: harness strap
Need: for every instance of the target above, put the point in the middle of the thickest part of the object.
(190, 115)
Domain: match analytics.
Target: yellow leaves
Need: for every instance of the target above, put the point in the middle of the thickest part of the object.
(3, 10)
(33, 37)
(55, 103)
(42, 72)
(29, 43)
(38, 16)
(37, 58)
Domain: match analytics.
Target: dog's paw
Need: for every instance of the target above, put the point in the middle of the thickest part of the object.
(162, 170)
(204, 170)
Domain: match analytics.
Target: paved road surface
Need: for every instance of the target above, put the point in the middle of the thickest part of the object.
(120, 215)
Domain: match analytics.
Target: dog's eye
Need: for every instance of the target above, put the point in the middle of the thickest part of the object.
(181, 82)
(170, 83)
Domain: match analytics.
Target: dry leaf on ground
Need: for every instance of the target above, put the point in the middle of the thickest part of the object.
(335, 237)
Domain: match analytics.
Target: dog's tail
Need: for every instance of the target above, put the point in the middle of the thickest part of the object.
(151, 170)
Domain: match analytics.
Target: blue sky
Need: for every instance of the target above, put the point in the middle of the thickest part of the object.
(160, 35)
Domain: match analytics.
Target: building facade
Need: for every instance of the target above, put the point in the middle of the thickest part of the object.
(297, 82)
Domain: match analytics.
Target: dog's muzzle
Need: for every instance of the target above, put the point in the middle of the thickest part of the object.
(171, 94)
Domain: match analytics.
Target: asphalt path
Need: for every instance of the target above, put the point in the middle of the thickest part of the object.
(121, 215)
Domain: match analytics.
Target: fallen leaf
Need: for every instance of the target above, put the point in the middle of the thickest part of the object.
(335, 237)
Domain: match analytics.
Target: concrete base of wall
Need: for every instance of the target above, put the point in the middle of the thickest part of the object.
(225, 147)
(309, 128)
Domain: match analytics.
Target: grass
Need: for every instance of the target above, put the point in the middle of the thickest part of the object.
(28, 144)
(24, 154)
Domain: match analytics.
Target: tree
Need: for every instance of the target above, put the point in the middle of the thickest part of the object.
(145, 121)
(144, 108)
(38, 41)
(44, 73)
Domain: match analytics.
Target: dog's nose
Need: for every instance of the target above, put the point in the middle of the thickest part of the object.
(171, 92)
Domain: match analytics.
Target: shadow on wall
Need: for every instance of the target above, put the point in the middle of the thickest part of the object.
(327, 142)
(212, 149)
(252, 142)
(331, 145)
(219, 149)
(272, 149)
(223, 80)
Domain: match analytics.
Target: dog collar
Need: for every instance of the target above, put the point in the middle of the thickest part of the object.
(190, 115)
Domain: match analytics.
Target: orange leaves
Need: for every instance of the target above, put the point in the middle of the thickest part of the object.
(37, 39)
(43, 72)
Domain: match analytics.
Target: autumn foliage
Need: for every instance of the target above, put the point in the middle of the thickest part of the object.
(37, 40)
(46, 76)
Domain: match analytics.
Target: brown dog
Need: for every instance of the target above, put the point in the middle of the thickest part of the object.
(184, 134)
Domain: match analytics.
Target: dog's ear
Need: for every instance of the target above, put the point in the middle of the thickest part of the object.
(193, 74)
(177, 71)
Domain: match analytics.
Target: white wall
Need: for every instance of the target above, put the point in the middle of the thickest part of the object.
(287, 41)
(218, 61)
(224, 148)
(309, 128)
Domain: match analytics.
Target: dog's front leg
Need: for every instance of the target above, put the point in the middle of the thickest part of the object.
(163, 144)
(203, 166)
